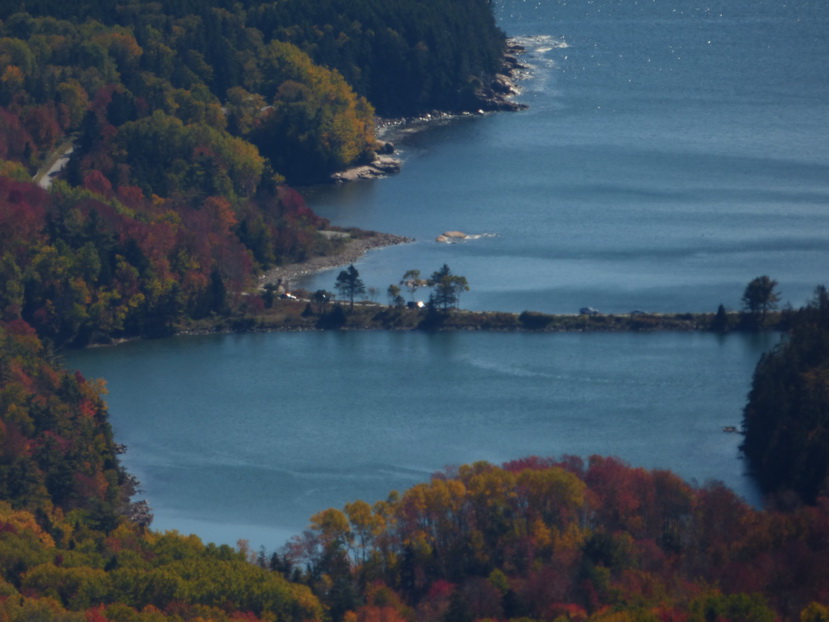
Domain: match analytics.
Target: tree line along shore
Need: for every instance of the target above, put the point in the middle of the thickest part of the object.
(273, 306)
(300, 314)
(191, 122)
(189, 119)
(536, 539)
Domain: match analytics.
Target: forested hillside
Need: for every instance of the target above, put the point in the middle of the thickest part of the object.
(536, 539)
(405, 57)
(67, 550)
(95, 262)
(182, 121)
(194, 90)
(57, 454)
(786, 420)
(547, 539)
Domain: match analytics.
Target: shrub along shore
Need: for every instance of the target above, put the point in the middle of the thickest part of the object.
(303, 314)
(287, 309)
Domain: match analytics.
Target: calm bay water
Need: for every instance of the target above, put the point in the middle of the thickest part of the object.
(246, 436)
(672, 152)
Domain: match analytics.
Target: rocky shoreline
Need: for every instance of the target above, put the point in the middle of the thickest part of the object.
(496, 96)
(353, 249)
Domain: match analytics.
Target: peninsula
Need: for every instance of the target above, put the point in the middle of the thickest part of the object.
(184, 128)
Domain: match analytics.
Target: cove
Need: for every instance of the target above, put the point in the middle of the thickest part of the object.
(671, 153)
(246, 436)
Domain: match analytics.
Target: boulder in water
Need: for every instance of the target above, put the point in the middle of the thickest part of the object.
(447, 237)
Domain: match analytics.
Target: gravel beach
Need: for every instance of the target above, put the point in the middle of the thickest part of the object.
(353, 249)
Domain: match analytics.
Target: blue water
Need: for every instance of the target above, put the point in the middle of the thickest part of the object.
(247, 436)
(671, 152)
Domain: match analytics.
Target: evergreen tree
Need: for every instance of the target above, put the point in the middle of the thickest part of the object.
(760, 297)
(720, 322)
(447, 288)
(349, 284)
(786, 420)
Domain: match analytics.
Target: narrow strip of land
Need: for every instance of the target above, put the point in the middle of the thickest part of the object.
(302, 312)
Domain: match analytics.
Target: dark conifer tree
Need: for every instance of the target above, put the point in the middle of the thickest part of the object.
(786, 420)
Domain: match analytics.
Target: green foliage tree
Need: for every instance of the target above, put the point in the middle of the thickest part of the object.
(349, 284)
(57, 449)
(720, 322)
(333, 319)
(815, 612)
(321, 298)
(269, 294)
(166, 156)
(316, 124)
(751, 608)
(412, 281)
(760, 297)
(405, 57)
(135, 575)
(395, 299)
(786, 419)
(447, 288)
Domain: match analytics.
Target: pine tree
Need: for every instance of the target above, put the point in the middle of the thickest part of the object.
(349, 284)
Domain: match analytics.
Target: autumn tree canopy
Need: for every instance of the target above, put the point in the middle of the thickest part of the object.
(546, 539)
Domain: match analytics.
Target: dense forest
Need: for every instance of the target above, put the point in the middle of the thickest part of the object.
(183, 120)
(786, 420)
(73, 546)
(405, 57)
(534, 539)
(561, 539)
(80, 264)
(121, 89)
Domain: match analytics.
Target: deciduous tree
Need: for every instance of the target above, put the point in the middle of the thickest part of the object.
(395, 299)
(411, 280)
